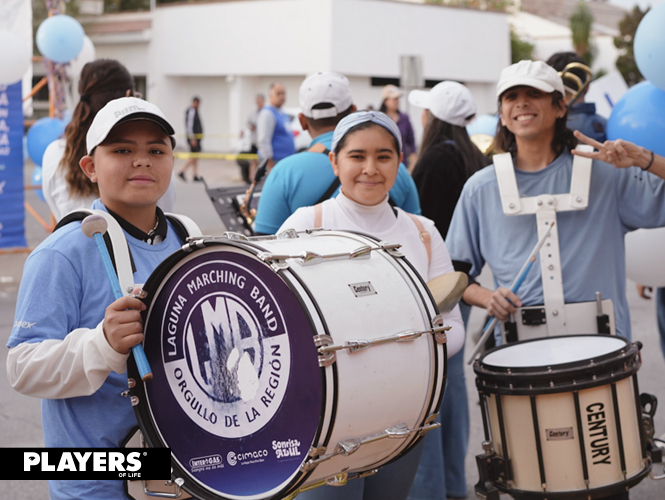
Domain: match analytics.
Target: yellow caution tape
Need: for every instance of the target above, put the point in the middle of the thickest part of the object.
(208, 136)
(216, 156)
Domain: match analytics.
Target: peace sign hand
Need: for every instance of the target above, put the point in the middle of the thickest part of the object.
(620, 153)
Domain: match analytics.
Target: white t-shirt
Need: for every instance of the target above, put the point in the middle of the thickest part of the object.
(342, 213)
(56, 189)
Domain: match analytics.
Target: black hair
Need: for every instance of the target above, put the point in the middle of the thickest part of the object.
(330, 122)
(504, 140)
(562, 59)
(437, 131)
(101, 81)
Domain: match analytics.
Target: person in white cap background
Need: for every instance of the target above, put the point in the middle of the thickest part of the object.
(71, 338)
(447, 159)
(306, 178)
(366, 155)
(620, 198)
(390, 105)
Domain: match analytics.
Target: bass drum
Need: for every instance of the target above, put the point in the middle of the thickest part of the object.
(285, 363)
(563, 418)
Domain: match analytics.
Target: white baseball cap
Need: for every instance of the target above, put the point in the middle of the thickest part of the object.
(120, 111)
(536, 74)
(325, 88)
(448, 101)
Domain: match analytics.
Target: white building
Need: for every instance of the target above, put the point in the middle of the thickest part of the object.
(227, 51)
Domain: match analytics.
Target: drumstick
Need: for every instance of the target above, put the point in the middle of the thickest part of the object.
(94, 226)
(447, 290)
(489, 328)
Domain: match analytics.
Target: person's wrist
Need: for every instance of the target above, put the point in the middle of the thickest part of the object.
(648, 157)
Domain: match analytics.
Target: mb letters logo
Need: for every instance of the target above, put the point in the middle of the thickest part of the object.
(225, 348)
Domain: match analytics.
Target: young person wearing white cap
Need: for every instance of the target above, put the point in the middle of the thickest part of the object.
(71, 338)
(504, 209)
(366, 155)
(306, 178)
(533, 130)
(447, 159)
(507, 207)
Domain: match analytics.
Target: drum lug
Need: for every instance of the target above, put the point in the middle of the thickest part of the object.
(430, 424)
(392, 248)
(287, 234)
(326, 358)
(424, 430)
(338, 479)
(408, 336)
(316, 452)
(233, 236)
(439, 336)
(350, 446)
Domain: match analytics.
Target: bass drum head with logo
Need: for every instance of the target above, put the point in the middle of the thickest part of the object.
(237, 391)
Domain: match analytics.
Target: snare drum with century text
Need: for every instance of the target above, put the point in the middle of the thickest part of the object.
(563, 418)
(287, 362)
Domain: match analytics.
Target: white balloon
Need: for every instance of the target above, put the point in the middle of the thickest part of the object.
(645, 264)
(15, 57)
(86, 55)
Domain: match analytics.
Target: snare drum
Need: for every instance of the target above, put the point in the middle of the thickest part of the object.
(562, 418)
(280, 364)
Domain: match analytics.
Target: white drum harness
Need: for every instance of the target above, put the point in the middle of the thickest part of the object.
(559, 318)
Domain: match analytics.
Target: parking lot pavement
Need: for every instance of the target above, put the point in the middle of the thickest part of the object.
(20, 421)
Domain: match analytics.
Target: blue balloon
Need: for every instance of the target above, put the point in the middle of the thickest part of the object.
(41, 134)
(649, 46)
(60, 38)
(37, 181)
(483, 124)
(639, 117)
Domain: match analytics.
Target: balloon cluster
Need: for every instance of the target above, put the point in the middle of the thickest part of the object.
(639, 116)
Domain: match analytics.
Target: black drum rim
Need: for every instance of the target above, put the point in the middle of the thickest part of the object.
(591, 493)
(549, 379)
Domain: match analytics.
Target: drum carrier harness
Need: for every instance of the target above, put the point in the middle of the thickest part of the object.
(555, 317)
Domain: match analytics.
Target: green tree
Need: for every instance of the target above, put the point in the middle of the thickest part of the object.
(111, 6)
(493, 5)
(580, 26)
(624, 42)
(519, 49)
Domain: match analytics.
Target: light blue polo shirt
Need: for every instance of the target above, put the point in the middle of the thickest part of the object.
(64, 287)
(591, 241)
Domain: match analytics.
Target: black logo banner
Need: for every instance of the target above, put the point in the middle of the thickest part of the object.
(86, 463)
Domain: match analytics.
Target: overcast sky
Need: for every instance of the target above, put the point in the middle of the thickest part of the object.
(628, 4)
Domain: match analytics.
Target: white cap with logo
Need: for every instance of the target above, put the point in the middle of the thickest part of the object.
(325, 88)
(536, 74)
(123, 110)
(448, 101)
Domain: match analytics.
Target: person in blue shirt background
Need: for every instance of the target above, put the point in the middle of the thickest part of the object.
(307, 178)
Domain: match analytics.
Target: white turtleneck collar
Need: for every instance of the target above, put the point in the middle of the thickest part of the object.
(374, 219)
